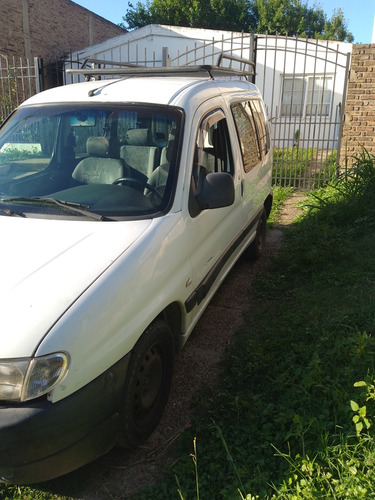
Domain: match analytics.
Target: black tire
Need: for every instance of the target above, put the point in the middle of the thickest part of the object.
(147, 384)
(255, 249)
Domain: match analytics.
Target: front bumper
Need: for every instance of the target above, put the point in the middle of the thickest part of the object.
(41, 440)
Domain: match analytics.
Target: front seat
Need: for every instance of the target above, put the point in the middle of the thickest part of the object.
(99, 167)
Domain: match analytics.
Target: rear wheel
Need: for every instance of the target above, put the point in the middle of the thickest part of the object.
(148, 384)
(255, 249)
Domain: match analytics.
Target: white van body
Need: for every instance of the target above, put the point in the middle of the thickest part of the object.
(124, 204)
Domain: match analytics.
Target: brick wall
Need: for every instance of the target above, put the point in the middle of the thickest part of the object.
(50, 28)
(359, 125)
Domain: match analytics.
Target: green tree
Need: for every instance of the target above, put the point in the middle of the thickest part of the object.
(137, 16)
(336, 28)
(234, 15)
(292, 17)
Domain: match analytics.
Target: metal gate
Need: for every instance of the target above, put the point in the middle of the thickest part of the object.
(19, 80)
(304, 84)
(303, 81)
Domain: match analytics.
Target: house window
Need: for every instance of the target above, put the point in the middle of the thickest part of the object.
(319, 96)
(306, 96)
(292, 96)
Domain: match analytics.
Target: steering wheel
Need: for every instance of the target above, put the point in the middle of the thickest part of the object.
(137, 184)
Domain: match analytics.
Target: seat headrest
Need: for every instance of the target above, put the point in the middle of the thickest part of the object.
(138, 137)
(98, 146)
(169, 150)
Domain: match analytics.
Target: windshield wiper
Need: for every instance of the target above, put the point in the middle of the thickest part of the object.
(11, 213)
(70, 206)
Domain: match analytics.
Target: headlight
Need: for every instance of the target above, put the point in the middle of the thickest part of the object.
(24, 379)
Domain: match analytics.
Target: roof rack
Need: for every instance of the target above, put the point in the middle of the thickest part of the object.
(92, 69)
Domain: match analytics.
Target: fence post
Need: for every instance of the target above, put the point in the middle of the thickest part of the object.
(342, 112)
(165, 57)
(253, 54)
(39, 76)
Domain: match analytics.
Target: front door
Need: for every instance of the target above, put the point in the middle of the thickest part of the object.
(214, 231)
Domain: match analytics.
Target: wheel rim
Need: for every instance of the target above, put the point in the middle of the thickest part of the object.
(148, 385)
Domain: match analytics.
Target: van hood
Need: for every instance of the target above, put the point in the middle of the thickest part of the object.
(45, 265)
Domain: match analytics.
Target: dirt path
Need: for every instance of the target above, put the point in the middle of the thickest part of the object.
(120, 474)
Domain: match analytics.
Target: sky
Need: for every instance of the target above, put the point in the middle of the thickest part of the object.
(359, 14)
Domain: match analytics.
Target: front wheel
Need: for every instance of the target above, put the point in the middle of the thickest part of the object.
(147, 385)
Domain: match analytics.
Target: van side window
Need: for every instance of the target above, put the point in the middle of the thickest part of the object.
(252, 132)
(212, 153)
(260, 123)
(213, 150)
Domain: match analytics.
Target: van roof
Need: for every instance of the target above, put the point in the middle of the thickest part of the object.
(169, 90)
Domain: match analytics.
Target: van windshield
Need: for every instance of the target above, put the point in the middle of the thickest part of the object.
(112, 160)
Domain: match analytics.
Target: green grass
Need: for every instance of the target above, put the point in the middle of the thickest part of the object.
(288, 420)
(12, 492)
(300, 167)
(280, 195)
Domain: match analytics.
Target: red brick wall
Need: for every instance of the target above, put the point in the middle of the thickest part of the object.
(50, 28)
(359, 125)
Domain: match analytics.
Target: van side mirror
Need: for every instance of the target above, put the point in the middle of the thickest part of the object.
(216, 191)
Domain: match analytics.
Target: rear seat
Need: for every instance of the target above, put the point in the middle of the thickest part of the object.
(139, 153)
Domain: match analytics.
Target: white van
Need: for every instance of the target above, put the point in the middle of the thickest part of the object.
(124, 203)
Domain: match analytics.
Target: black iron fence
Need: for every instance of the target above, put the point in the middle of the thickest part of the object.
(19, 79)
